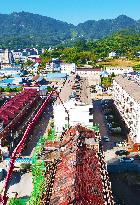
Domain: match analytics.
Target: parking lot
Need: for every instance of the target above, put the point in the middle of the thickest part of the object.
(128, 181)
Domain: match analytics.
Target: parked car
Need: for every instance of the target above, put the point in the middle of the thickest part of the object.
(126, 160)
(107, 101)
(115, 130)
(122, 152)
(120, 144)
(106, 138)
(109, 117)
(107, 111)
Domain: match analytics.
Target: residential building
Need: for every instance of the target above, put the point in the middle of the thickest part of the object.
(93, 74)
(112, 54)
(34, 58)
(68, 68)
(76, 114)
(85, 72)
(17, 54)
(10, 71)
(126, 94)
(54, 65)
(118, 70)
(6, 56)
(30, 51)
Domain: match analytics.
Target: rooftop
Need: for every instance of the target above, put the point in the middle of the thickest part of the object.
(131, 87)
(72, 185)
(89, 69)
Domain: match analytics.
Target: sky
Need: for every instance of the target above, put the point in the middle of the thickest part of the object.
(74, 11)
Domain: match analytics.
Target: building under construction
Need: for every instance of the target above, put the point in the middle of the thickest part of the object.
(74, 170)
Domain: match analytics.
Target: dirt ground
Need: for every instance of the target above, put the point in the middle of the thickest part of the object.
(120, 62)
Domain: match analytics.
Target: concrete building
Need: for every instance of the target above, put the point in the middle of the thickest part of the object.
(68, 68)
(10, 71)
(93, 75)
(118, 70)
(85, 72)
(78, 114)
(126, 94)
(112, 54)
(6, 56)
(17, 54)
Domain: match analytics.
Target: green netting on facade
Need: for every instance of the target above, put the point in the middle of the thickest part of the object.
(38, 170)
(95, 127)
(51, 135)
(18, 201)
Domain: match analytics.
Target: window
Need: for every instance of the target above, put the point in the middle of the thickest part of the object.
(90, 111)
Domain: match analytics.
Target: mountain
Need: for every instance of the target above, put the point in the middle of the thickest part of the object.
(103, 28)
(23, 29)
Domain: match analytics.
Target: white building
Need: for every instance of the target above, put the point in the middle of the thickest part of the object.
(10, 71)
(77, 114)
(112, 54)
(85, 72)
(5, 56)
(118, 70)
(33, 58)
(17, 54)
(93, 74)
(126, 95)
(68, 68)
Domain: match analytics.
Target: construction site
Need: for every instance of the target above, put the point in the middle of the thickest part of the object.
(67, 163)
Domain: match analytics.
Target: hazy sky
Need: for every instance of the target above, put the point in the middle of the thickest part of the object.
(74, 11)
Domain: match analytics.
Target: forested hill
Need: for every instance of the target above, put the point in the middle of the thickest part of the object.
(25, 29)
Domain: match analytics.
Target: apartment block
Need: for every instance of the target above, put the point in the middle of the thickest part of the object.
(126, 94)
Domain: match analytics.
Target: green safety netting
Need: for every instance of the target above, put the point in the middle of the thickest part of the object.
(95, 127)
(18, 201)
(38, 169)
(51, 135)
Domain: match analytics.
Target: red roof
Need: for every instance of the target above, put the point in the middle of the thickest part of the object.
(89, 69)
(13, 107)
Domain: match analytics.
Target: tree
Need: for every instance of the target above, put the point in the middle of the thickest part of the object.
(7, 89)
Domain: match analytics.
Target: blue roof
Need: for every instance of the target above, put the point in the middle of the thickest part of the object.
(40, 78)
(43, 87)
(56, 75)
(20, 160)
(104, 73)
(133, 73)
(11, 86)
(16, 69)
(9, 80)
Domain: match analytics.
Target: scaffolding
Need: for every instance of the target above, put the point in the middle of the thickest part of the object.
(39, 170)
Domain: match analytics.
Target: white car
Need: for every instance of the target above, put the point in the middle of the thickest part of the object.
(126, 160)
(120, 144)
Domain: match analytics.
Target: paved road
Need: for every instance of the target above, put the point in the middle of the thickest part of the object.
(99, 118)
(39, 130)
(123, 193)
